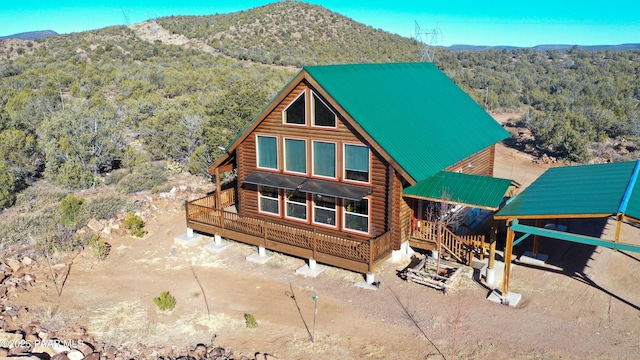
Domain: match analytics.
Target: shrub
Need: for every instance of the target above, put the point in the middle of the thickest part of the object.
(69, 209)
(250, 321)
(135, 224)
(143, 178)
(104, 207)
(99, 247)
(165, 302)
(37, 197)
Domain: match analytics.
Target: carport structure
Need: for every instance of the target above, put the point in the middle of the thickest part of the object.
(573, 192)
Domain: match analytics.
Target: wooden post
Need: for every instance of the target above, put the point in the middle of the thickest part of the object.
(315, 235)
(507, 260)
(536, 240)
(618, 227)
(492, 248)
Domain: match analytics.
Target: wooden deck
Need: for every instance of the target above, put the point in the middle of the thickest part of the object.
(207, 215)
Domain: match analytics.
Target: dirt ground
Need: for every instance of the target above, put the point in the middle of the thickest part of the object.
(583, 304)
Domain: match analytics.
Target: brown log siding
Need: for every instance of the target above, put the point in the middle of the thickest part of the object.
(481, 163)
(272, 125)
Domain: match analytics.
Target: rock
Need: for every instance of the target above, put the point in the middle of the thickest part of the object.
(95, 225)
(85, 348)
(14, 264)
(111, 352)
(10, 340)
(4, 352)
(52, 347)
(32, 338)
(60, 357)
(21, 357)
(92, 356)
(29, 279)
(75, 354)
(200, 351)
(27, 261)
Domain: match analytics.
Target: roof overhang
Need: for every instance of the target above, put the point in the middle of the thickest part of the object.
(483, 192)
(274, 180)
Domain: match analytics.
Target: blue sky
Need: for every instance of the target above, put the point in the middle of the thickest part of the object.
(516, 23)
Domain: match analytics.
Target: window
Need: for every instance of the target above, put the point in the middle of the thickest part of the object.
(322, 115)
(267, 153)
(269, 201)
(296, 204)
(356, 162)
(324, 210)
(324, 159)
(356, 215)
(295, 113)
(295, 155)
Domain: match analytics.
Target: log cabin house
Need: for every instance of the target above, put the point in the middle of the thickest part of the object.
(339, 166)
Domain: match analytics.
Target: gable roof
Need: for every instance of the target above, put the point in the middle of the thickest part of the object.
(598, 190)
(413, 114)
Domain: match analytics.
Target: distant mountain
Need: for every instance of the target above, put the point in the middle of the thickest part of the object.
(30, 35)
(561, 47)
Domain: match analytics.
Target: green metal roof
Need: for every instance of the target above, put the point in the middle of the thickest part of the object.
(586, 190)
(474, 190)
(421, 118)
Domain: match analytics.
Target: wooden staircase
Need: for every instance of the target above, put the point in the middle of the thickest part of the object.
(460, 246)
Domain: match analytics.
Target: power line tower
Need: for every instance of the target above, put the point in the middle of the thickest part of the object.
(427, 40)
(125, 13)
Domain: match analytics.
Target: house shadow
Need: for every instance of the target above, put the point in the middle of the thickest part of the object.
(571, 258)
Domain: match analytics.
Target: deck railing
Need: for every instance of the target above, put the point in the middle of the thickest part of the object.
(458, 245)
(365, 252)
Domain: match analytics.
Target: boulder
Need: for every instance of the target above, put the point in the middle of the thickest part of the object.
(51, 347)
(9, 340)
(27, 261)
(92, 356)
(95, 225)
(200, 351)
(14, 264)
(75, 354)
(85, 348)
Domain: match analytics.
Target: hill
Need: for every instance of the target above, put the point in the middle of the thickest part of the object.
(78, 108)
(31, 35)
(621, 47)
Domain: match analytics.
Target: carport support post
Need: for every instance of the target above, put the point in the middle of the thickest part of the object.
(507, 261)
(618, 226)
(536, 241)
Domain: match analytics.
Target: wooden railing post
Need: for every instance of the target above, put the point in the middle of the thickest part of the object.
(315, 234)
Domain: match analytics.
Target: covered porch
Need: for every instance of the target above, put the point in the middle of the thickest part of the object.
(453, 213)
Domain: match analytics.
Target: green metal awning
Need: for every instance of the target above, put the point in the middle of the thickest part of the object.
(597, 190)
(473, 190)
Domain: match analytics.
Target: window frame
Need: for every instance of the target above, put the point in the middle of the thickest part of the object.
(258, 152)
(284, 157)
(313, 211)
(368, 217)
(287, 202)
(277, 198)
(315, 96)
(335, 160)
(284, 112)
(344, 163)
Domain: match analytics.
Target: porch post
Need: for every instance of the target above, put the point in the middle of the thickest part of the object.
(218, 187)
(490, 276)
(618, 227)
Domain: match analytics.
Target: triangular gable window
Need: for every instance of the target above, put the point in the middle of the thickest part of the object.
(294, 114)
